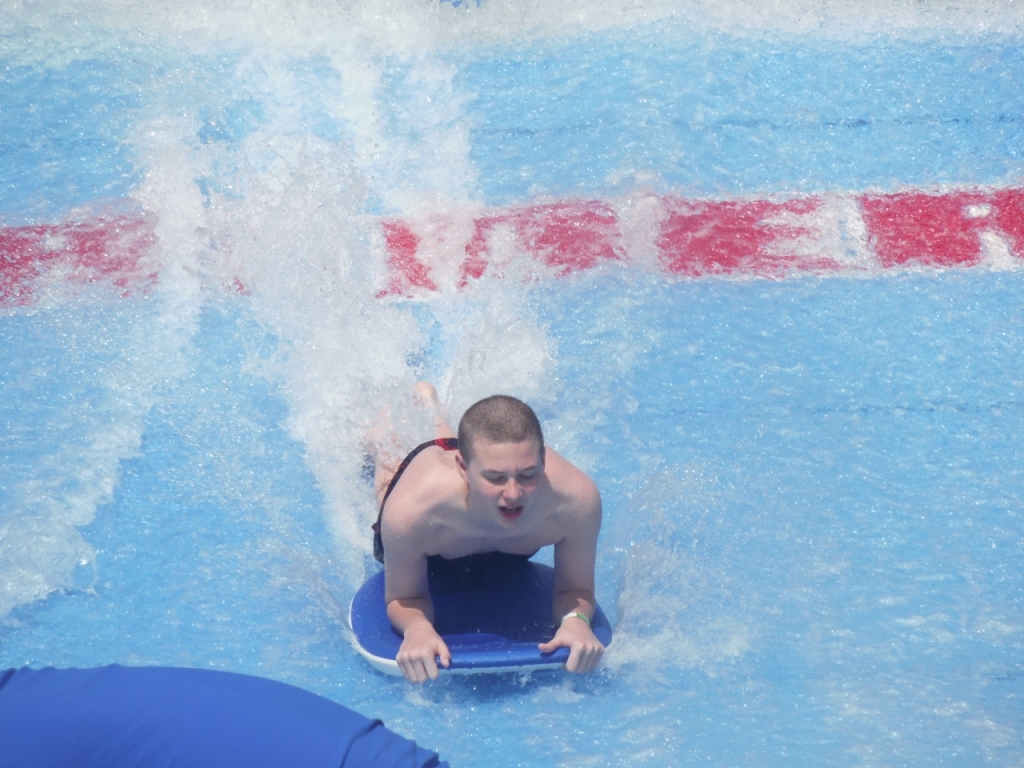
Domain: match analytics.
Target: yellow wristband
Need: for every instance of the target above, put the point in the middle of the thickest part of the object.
(572, 614)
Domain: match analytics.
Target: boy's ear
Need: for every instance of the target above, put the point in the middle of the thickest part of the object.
(461, 465)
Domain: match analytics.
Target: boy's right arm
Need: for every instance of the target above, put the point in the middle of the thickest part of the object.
(422, 646)
(408, 603)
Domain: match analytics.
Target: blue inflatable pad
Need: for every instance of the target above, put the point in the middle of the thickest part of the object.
(491, 610)
(159, 716)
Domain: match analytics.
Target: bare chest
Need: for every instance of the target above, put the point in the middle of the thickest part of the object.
(451, 542)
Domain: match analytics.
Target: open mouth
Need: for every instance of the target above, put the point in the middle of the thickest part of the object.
(510, 513)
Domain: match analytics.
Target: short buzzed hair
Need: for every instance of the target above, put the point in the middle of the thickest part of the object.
(498, 419)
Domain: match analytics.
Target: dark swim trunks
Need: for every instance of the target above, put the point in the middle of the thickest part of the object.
(445, 575)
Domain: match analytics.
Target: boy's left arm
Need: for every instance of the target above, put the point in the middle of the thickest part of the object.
(573, 603)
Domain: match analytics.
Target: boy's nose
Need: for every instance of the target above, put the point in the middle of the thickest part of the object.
(513, 490)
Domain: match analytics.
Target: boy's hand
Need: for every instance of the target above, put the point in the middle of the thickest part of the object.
(422, 646)
(585, 650)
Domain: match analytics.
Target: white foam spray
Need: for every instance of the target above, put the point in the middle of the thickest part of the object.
(120, 362)
(300, 238)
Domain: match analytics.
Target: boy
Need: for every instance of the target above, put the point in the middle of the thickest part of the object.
(494, 488)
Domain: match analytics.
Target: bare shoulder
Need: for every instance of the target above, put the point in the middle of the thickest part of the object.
(430, 484)
(580, 493)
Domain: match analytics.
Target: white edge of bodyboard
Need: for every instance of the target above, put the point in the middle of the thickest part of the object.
(390, 666)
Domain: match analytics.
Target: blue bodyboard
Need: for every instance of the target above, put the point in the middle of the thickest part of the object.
(491, 610)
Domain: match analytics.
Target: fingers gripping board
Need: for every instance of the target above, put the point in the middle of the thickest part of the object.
(491, 610)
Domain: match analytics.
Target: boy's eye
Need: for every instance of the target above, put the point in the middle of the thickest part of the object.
(502, 479)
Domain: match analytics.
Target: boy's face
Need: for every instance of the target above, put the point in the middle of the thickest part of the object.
(503, 477)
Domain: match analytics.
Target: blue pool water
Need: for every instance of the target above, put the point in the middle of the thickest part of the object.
(814, 501)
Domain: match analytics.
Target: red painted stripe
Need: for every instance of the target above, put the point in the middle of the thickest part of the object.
(106, 249)
(943, 230)
(724, 237)
(690, 238)
(569, 236)
(405, 269)
(928, 229)
(1008, 217)
(760, 237)
(566, 237)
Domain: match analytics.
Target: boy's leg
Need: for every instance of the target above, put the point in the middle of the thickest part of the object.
(386, 462)
(426, 396)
